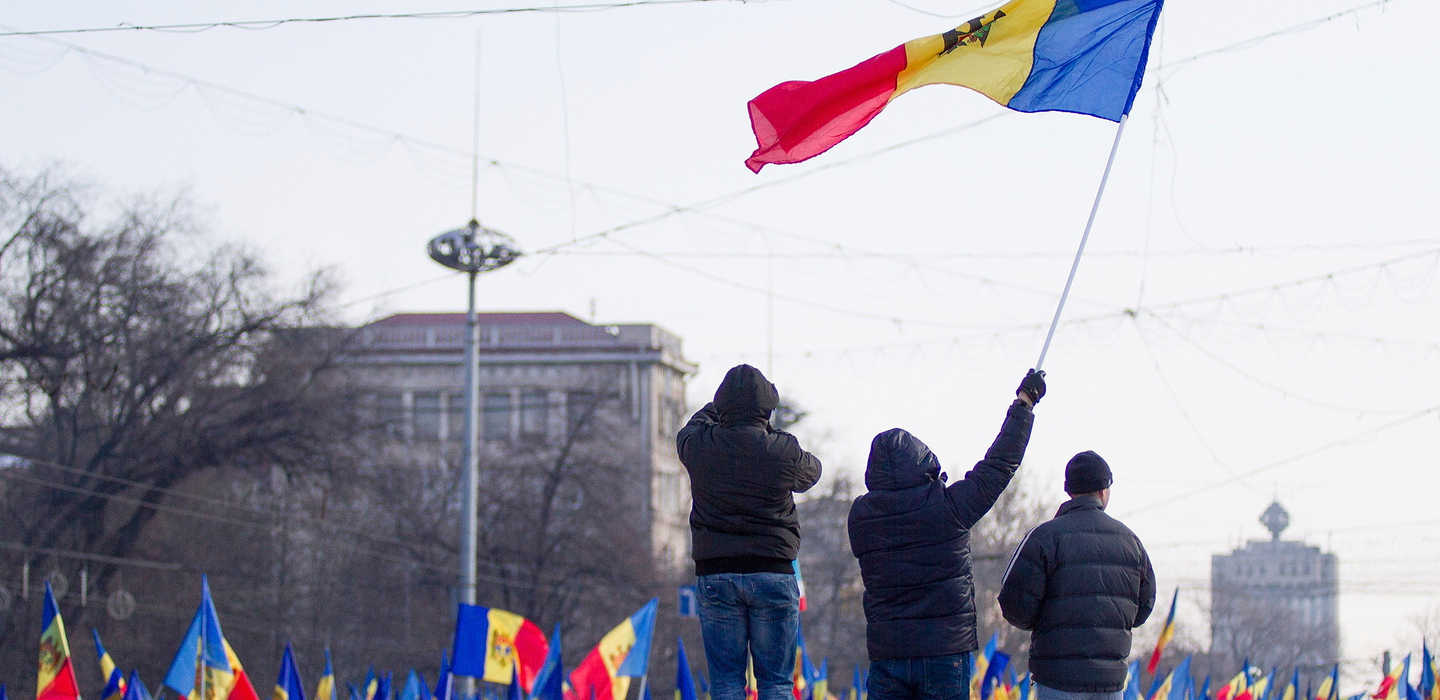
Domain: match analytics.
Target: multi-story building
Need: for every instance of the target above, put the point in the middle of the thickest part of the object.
(545, 378)
(1276, 602)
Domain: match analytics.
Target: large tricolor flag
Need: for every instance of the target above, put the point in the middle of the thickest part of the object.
(1166, 634)
(1081, 56)
(489, 642)
(623, 653)
(57, 673)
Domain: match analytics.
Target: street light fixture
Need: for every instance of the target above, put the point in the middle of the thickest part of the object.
(472, 250)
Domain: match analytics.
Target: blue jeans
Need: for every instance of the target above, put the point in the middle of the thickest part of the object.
(921, 678)
(754, 615)
(1047, 693)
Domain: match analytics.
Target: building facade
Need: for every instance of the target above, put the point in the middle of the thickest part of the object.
(1276, 602)
(548, 382)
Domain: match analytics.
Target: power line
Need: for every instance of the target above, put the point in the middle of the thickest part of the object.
(1288, 460)
(260, 24)
(1247, 43)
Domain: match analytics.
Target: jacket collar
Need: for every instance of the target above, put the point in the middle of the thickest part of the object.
(1079, 503)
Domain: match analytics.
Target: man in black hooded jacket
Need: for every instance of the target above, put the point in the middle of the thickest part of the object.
(912, 535)
(746, 534)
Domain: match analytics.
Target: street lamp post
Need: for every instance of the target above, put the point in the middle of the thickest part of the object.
(471, 250)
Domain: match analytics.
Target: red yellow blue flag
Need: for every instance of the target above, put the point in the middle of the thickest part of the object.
(1166, 634)
(550, 682)
(489, 642)
(57, 674)
(108, 670)
(623, 653)
(684, 679)
(1080, 56)
(1429, 689)
(135, 688)
(288, 685)
(325, 689)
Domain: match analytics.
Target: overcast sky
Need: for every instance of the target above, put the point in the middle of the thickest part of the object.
(908, 287)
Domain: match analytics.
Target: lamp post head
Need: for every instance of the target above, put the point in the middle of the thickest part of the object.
(473, 249)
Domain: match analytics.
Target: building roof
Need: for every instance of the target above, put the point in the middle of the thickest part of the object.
(494, 318)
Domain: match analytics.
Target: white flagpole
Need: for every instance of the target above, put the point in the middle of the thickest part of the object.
(1083, 239)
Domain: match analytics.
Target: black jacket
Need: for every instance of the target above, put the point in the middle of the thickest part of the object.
(912, 536)
(1080, 582)
(742, 475)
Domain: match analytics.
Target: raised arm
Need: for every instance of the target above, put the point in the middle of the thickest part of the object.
(709, 415)
(973, 496)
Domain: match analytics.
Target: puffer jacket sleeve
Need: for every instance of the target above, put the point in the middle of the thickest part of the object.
(1147, 587)
(1023, 587)
(708, 415)
(801, 469)
(973, 496)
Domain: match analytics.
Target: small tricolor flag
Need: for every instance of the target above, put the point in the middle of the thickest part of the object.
(1330, 687)
(1132, 681)
(415, 688)
(444, 681)
(489, 642)
(994, 672)
(1175, 683)
(1292, 691)
(57, 673)
(287, 685)
(372, 684)
(1237, 685)
(1429, 689)
(108, 670)
(800, 583)
(1390, 685)
(325, 689)
(856, 685)
(550, 681)
(1166, 634)
(684, 679)
(1080, 56)
(135, 688)
(623, 653)
(205, 660)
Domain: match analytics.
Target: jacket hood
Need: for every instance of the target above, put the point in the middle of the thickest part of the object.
(898, 460)
(745, 396)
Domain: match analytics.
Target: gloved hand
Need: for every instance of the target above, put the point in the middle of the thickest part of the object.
(1032, 387)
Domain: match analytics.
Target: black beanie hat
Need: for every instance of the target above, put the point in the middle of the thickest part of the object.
(1087, 472)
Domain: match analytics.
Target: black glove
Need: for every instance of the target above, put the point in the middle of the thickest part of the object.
(1033, 386)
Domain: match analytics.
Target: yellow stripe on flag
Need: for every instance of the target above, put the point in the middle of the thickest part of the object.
(991, 54)
(500, 645)
(614, 647)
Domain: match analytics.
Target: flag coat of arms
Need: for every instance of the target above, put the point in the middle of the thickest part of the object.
(623, 653)
(489, 642)
(57, 673)
(1080, 56)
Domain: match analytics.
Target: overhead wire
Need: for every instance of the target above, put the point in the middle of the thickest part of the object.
(261, 24)
(1288, 460)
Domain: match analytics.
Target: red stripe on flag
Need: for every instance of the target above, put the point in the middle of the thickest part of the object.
(63, 687)
(799, 120)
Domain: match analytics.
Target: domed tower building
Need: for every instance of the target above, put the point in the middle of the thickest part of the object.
(1276, 602)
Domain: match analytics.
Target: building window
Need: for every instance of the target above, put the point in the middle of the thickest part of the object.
(534, 412)
(497, 416)
(580, 412)
(390, 410)
(427, 416)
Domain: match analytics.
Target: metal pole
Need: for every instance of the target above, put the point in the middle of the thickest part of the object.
(1086, 237)
(469, 519)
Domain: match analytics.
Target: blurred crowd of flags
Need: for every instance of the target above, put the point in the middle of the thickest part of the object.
(519, 662)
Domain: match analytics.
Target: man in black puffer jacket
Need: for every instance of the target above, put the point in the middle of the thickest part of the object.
(746, 534)
(912, 536)
(1080, 582)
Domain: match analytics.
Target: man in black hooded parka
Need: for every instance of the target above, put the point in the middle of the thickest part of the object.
(746, 534)
(912, 535)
